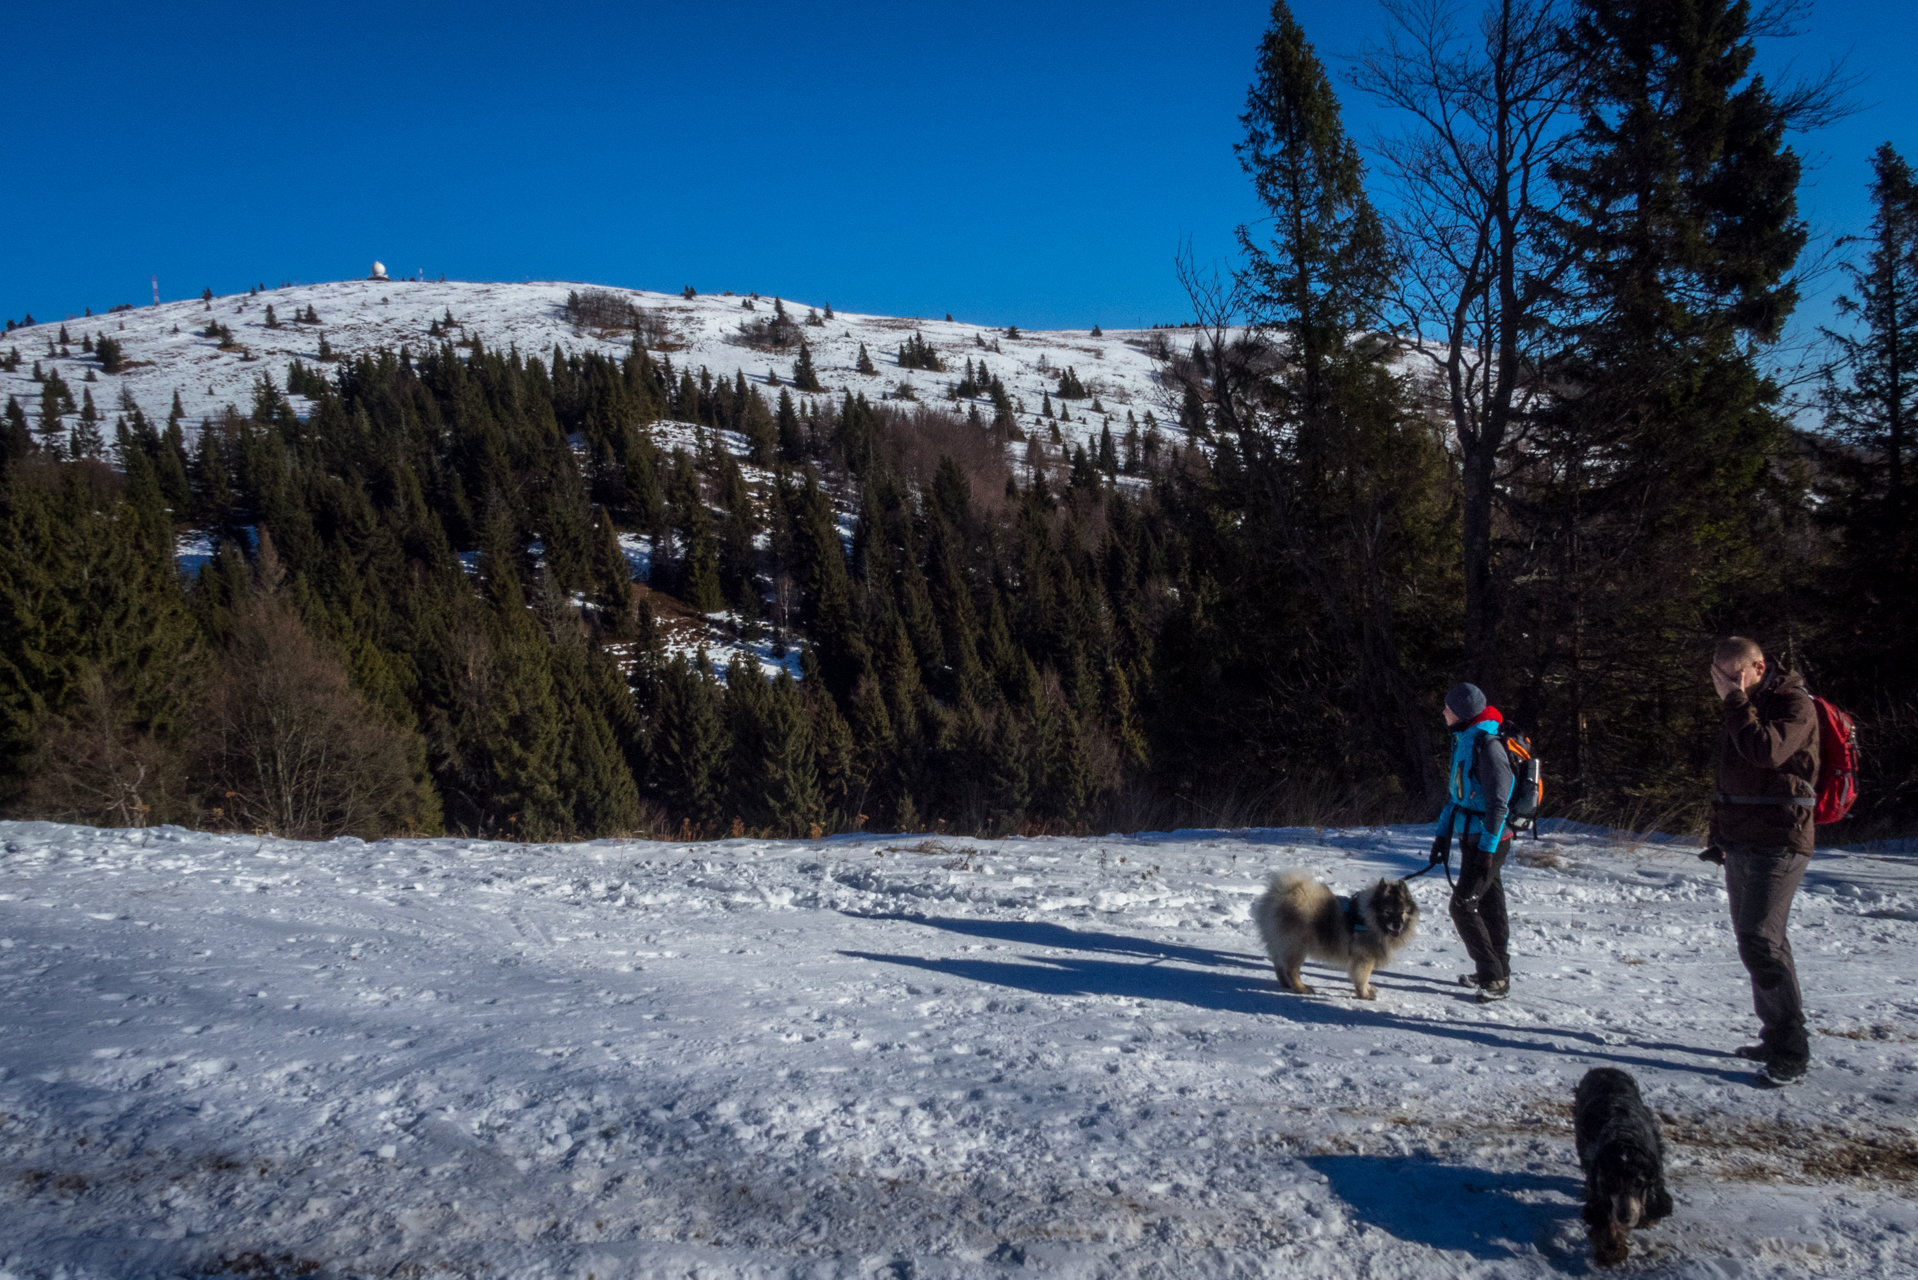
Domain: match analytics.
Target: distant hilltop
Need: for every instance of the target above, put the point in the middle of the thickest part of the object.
(212, 351)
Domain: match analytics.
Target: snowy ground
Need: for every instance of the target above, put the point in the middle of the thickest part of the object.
(366, 315)
(905, 1057)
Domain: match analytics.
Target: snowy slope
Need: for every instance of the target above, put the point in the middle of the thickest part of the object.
(365, 315)
(905, 1057)
(169, 353)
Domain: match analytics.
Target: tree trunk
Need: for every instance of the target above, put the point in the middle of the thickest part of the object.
(1481, 616)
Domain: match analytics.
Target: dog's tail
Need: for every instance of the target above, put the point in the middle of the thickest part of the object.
(1296, 892)
(1288, 882)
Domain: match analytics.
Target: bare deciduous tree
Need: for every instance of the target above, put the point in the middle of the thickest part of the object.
(1479, 273)
(100, 768)
(287, 745)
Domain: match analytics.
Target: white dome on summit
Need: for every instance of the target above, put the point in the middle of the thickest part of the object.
(379, 271)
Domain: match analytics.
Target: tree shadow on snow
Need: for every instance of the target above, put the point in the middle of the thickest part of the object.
(1034, 933)
(1490, 1215)
(1227, 982)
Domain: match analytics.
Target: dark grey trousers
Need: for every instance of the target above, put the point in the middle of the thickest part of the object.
(1478, 908)
(1761, 883)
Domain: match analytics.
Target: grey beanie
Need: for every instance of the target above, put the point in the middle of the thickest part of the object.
(1465, 701)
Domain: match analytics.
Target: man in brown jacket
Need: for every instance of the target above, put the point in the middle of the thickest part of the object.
(1761, 833)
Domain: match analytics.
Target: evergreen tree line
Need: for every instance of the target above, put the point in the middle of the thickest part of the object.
(969, 656)
(1586, 477)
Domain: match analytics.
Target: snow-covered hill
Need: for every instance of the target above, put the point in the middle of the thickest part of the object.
(170, 352)
(905, 1057)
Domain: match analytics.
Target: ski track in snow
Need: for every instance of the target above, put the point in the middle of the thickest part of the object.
(903, 1056)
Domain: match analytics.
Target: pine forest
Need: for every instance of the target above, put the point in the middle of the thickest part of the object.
(1498, 403)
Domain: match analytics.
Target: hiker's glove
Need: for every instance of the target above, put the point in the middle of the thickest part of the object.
(1441, 847)
(1712, 853)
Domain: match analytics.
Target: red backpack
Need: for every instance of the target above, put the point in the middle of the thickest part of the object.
(1837, 763)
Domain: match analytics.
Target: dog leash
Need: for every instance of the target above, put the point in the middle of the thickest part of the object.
(1428, 866)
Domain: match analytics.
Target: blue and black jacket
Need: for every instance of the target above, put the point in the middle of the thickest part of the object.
(1479, 782)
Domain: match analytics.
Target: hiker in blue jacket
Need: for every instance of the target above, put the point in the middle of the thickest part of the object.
(1479, 786)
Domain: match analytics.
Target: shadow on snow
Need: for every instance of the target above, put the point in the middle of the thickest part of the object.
(1487, 1214)
(1233, 982)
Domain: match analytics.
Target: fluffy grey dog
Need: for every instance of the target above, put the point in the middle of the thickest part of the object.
(1300, 918)
(1624, 1158)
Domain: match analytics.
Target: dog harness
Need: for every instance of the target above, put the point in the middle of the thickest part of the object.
(1353, 920)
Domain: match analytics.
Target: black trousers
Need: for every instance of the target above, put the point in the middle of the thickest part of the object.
(1761, 884)
(1478, 908)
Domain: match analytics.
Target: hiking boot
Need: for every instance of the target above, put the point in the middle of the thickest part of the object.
(1753, 1052)
(1780, 1072)
(1470, 980)
(1494, 989)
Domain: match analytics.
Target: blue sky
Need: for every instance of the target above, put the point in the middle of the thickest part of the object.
(1028, 164)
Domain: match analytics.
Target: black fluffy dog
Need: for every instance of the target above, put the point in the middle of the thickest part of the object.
(1624, 1158)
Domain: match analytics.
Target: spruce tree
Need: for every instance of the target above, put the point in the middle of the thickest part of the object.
(829, 612)
(88, 592)
(1325, 270)
(86, 440)
(702, 591)
(1681, 225)
(756, 424)
(1009, 779)
(517, 729)
(597, 795)
(864, 363)
(690, 744)
(17, 440)
(1295, 443)
(612, 574)
(55, 401)
(805, 377)
(1871, 395)
(792, 443)
(790, 770)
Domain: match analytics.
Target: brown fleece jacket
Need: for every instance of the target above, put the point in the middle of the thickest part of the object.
(1768, 751)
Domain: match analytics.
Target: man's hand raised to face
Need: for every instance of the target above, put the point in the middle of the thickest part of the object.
(1743, 680)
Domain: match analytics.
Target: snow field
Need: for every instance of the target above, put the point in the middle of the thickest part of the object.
(906, 1056)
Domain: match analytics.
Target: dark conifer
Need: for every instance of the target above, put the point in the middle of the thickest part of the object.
(596, 792)
(756, 424)
(917, 353)
(612, 574)
(16, 439)
(805, 378)
(1871, 395)
(792, 443)
(690, 743)
(1192, 414)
